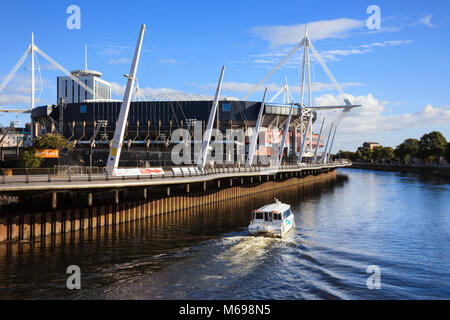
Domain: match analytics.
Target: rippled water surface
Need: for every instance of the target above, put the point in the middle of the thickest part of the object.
(398, 222)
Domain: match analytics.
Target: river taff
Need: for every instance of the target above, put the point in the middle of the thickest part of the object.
(397, 222)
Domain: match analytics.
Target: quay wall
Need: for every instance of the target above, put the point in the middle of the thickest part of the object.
(443, 172)
(32, 226)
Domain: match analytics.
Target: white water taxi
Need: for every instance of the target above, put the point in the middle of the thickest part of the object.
(275, 219)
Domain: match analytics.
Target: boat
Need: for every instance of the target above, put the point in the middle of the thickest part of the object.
(275, 219)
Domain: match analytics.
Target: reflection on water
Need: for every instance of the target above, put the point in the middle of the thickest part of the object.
(397, 221)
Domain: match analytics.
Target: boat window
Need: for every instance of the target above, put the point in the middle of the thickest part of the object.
(268, 216)
(277, 216)
(287, 213)
(259, 215)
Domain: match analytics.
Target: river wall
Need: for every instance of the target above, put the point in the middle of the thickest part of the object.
(443, 172)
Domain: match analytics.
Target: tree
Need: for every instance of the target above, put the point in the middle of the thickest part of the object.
(345, 155)
(51, 141)
(383, 153)
(432, 146)
(407, 149)
(447, 153)
(28, 159)
(364, 154)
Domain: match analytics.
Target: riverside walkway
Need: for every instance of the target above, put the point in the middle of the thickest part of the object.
(65, 180)
(60, 202)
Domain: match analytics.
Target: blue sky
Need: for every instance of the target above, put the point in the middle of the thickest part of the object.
(399, 73)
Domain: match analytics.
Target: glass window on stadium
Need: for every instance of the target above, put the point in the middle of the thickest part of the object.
(101, 90)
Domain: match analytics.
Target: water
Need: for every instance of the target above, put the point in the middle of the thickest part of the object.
(396, 221)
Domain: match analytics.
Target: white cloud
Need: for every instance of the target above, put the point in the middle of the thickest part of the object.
(14, 99)
(372, 118)
(274, 56)
(244, 87)
(332, 54)
(119, 90)
(120, 61)
(426, 20)
(169, 61)
(160, 93)
(49, 67)
(111, 49)
(18, 91)
(392, 43)
(289, 35)
(398, 42)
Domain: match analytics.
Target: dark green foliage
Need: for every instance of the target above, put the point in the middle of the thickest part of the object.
(383, 154)
(28, 159)
(447, 152)
(407, 150)
(432, 146)
(51, 141)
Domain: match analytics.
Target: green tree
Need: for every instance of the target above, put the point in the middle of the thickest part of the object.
(432, 146)
(388, 153)
(407, 150)
(447, 153)
(28, 159)
(378, 153)
(345, 155)
(51, 141)
(383, 153)
(364, 154)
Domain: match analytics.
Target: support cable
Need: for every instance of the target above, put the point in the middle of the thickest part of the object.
(14, 70)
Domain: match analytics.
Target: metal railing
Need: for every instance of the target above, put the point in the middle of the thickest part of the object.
(92, 174)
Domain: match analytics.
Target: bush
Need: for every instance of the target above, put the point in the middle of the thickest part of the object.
(28, 159)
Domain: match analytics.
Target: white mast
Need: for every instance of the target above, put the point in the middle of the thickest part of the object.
(251, 149)
(308, 65)
(285, 136)
(318, 141)
(331, 146)
(33, 134)
(208, 132)
(85, 57)
(302, 147)
(116, 147)
(32, 71)
(304, 67)
(326, 145)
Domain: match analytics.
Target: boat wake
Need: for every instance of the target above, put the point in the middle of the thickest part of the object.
(242, 254)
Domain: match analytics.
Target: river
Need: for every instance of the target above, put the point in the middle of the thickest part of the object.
(397, 222)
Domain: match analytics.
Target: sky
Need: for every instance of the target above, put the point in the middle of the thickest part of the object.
(397, 70)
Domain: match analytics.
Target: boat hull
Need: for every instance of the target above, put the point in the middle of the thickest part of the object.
(280, 232)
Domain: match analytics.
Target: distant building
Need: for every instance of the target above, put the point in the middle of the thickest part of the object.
(72, 92)
(17, 137)
(371, 145)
